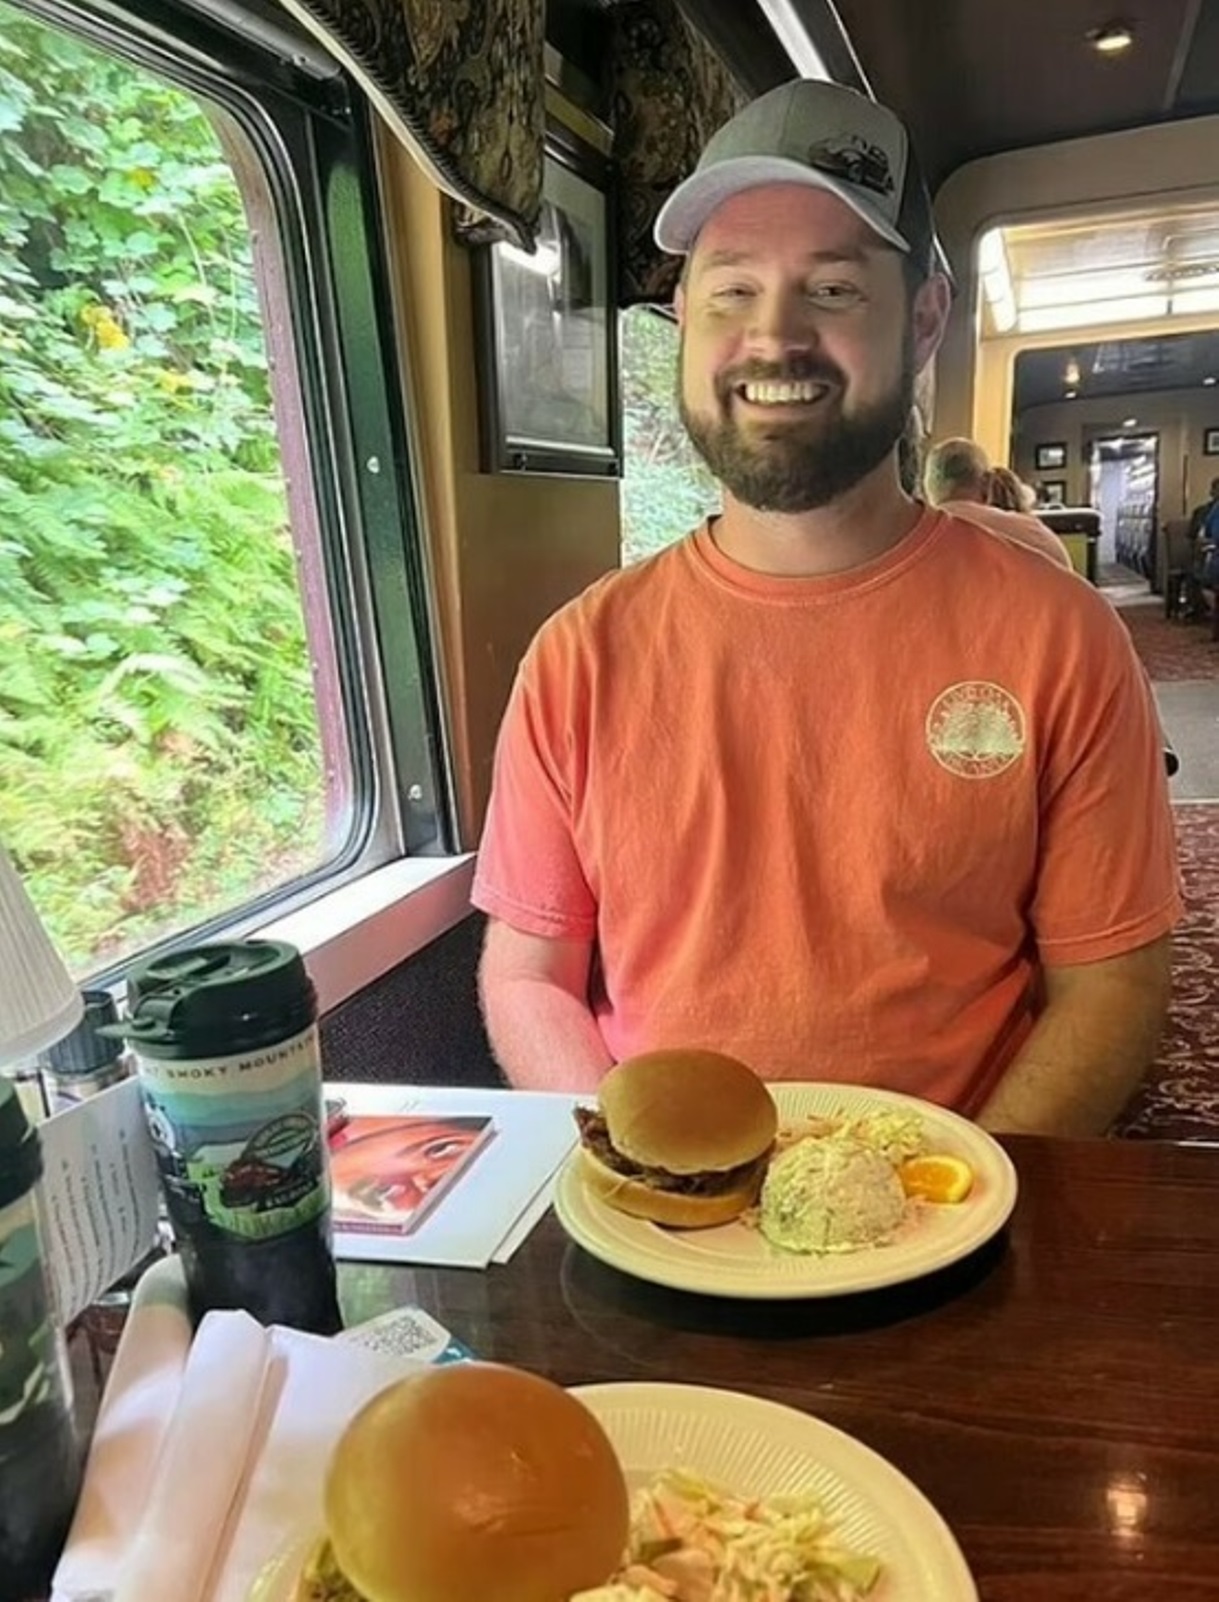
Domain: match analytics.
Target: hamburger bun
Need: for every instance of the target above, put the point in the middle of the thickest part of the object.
(673, 1208)
(688, 1112)
(319, 1580)
(475, 1480)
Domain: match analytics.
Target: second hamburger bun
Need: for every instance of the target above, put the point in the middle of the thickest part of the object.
(688, 1111)
(475, 1481)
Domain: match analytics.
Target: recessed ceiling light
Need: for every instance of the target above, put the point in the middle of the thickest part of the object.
(1070, 394)
(1130, 422)
(1112, 39)
(1208, 380)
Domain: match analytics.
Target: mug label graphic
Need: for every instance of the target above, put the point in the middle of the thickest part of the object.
(976, 729)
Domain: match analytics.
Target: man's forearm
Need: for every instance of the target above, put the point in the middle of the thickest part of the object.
(543, 1037)
(1089, 1050)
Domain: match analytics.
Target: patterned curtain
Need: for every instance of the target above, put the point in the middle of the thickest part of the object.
(671, 92)
(460, 82)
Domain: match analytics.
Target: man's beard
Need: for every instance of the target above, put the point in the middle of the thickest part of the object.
(793, 466)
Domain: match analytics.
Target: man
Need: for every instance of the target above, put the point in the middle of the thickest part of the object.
(956, 478)
(1200, 513)
(1204, 541)
(840, 785)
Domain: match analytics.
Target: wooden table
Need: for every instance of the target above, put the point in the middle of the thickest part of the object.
(1057, 1396)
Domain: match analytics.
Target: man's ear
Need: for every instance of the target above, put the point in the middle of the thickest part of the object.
(679, 304)
(932, 303)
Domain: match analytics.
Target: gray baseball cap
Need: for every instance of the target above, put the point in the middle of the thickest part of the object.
(815, 133)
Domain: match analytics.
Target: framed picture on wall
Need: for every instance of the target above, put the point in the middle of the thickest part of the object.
(1054, 491)
(547, 343)
(1210, 442)
(1047, 457)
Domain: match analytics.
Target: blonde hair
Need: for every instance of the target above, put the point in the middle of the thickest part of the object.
(1005, 490)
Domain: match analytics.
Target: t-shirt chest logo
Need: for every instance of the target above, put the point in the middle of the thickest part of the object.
(976, 729)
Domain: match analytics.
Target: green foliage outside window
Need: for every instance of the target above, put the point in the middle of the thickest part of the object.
(666, 489)
(159, 749)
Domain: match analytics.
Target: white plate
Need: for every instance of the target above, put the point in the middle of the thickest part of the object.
(758, 1448)
(735, 1260)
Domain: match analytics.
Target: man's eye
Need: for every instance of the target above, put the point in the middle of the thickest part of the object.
(834, 294)
(731, 292)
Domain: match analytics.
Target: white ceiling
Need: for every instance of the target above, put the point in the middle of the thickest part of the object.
(1100, 271)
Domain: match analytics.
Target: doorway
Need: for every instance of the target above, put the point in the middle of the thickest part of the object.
(1123, 485)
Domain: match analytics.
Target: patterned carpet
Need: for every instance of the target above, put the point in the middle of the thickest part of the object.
(1170, 649)
(1180, 1100)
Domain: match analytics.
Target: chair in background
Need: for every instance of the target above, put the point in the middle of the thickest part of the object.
(1182, 591)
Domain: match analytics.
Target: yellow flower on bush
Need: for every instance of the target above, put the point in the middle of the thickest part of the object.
(109, 335)
(105, 328)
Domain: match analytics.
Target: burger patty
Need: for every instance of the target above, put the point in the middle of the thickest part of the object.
(594, 1133)
(323, 1581)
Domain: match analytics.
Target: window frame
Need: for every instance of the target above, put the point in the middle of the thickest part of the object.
(312, 136)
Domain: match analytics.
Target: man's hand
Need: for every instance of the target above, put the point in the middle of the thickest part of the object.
(534, 993)
(1090, 1048)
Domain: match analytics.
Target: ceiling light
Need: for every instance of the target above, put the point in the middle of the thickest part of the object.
(1112, 39)
(1208, 381)
(997, 280)
(1128, 309)
(1070, 394)
(793, 35)
(1070, 373)
(1084, 288)
(1130, 422)
(1195, 300)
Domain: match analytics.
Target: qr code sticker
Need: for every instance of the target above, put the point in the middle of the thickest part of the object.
(407, 1332)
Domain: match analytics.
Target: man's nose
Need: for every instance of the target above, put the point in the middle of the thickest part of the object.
(782, 323)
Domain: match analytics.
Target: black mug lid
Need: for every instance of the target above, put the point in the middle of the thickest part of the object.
(210, 998)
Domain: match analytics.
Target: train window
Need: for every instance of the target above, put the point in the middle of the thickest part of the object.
(193, 500)
(666, 489)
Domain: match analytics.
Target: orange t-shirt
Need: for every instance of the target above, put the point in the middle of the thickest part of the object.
(831, 825)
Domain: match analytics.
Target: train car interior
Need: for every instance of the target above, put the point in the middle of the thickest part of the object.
(337, 356)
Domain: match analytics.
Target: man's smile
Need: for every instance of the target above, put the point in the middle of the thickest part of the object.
(788, 391)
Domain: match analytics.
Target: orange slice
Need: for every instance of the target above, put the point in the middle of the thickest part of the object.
(937, 1178)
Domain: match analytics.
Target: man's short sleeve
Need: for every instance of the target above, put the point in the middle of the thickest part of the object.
(1108, 880)
(529, 873)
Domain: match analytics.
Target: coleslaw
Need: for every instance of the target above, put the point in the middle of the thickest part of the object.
(693, 1542)
(895, 1136)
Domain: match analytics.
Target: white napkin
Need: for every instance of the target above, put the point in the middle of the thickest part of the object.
(207, 1467)
(201, 1464)
(141, 1393)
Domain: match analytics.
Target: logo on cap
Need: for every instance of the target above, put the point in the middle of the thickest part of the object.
(854, 161)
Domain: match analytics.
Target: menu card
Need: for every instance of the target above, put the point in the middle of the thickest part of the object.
(99, 1194)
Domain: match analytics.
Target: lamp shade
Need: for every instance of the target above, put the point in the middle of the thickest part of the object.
(39, 1003)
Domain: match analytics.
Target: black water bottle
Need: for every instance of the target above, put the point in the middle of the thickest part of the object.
(226, 1047)
(40, 1450)
(87, 1061)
